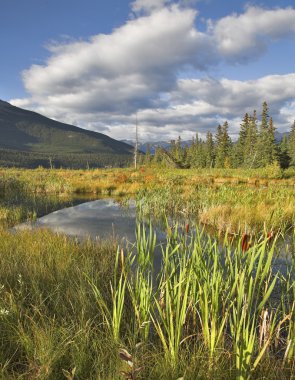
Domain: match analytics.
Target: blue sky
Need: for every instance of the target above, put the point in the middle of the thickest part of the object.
(182, 65)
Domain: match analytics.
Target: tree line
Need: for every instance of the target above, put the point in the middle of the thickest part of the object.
(32, 160)
(256, 147)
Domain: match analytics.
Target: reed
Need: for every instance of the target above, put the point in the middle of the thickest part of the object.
(235, 200)
(210, 309)
(112, 316)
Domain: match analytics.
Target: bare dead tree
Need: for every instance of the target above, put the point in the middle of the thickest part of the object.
(136, 144)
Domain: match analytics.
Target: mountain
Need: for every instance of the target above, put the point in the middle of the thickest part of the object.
(36, 135)
(156, 144)
(280, 135)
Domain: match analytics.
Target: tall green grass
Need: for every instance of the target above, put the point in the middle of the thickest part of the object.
(187, 306)
(215, 301)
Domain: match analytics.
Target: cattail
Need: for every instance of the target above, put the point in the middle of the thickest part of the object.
(270, 235)
(245, 243)
(187, 228)
(122, 257)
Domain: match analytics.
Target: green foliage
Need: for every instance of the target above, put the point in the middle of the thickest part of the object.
(223, 147)
(214, 309)
(253, 149)
(291, 145)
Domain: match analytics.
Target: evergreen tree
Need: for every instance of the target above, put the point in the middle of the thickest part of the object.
(263, 138)
(173, 149)
(191, 152)
(209, 151)
(250, 152)
(267, 152)
(196, 153)
(223, 146)
(240, 153)
(272, 149)
(177, 151)
(291, 145)
(219, 159)
(284, 157)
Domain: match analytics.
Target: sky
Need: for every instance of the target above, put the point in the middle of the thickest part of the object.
(181, 66)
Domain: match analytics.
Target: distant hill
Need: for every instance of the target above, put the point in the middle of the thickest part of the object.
(153, 145)
(33, 136)
(280, 135)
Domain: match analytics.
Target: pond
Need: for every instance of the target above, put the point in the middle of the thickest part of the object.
(105, 218)
(101, 218)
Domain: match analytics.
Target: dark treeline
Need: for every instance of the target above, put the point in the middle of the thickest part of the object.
(256, 147)
(19, 159)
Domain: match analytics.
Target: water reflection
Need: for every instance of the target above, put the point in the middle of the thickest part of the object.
(106, 217)
(101, 218)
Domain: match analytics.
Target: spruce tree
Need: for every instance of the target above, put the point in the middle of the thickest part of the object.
(219, 159)
(262, 141)
(196, 155)
(223, 146)
(209, 151)
(272, 149)
(284, 157)
(179, 152)
(291, 145)
(250, 152)
(240, 153)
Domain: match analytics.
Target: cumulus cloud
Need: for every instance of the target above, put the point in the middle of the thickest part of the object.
(242, 37)
(232, 96)
(100, 83)
(148, 5)
(123, 71)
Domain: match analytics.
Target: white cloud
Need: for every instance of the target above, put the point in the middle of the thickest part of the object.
(196, 105)
(231, 96)
(148, 5)
(246, 36)
(101, 83)
(125, 70)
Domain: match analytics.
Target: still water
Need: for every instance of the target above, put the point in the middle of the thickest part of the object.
(106, 218)
(96, 219)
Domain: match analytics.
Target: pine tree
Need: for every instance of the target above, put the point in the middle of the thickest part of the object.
(192, 152)
(263, 138)
(209, 151)
(291, 145)
(173, 149)
(272, 149)
(219, 159)
(240, 153)
(196, 155)
(179, 154)
(223, 146)
(250, 152)
(284, 157)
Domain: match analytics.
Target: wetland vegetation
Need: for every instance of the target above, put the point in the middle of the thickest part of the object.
(218, 307)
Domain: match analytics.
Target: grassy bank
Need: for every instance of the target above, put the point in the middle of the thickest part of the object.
(77, 310)
(228, 200)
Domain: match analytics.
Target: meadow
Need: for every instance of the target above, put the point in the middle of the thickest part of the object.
(218, 307)
(227, 200)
